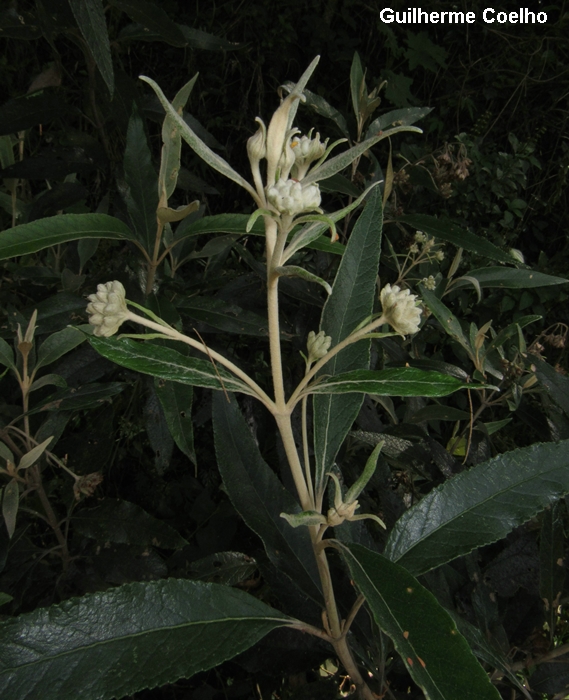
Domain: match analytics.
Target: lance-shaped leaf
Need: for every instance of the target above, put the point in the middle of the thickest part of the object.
(479, 506)
(176, 401)
(153, 18)
(341, 161)
(398, 117)
(436, 655)
(349, 304)
(10, 504)
(170, 161)
(117, 642)
(445, 230)
(446, 318)
(141, 195)
(29, 238)
(296, 271)
(34, 454)
(260, 498)
(6, 355)
(90, 18)
(308, 234)
(395, 381)
(167, 364)
(509, 278)
(194, 141)
(552, 559)
(58, 344)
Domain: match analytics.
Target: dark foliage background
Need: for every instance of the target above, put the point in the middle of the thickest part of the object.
(499, 98)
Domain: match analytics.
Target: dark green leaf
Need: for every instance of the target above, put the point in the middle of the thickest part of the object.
(229, 568)
(479, 506)
(158, 432)
(509, 278)
(485, 650)
(225, 316)
(57, 345)
(153, 18)
(260, 498)
(142, 356)
(10, 504)
(119, 521)
(6, 354)
(176, 401)
(436, 655)
(438, 412)
(448, 231)
(555, 383)
(552, 560)
(23, 112)
(357, 85)
(90, 18)
(142, 182)
(141, 635)
(396, 381)
(29, 238)
(320, 106)
(398, 117)
(445, 317)
(89, 396)
(198, 39)
(350, 303)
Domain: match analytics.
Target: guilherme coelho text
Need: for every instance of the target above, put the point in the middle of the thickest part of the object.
(416, 15)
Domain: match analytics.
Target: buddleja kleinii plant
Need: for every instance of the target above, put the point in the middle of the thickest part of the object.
(157, 632)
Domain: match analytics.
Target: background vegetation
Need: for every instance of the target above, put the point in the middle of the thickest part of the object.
(143, 500)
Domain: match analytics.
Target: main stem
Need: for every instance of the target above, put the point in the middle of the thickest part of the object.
(282, 413)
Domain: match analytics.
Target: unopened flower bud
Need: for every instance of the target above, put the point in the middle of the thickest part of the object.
(420, 237)
(107, 308)
(400, 309)
(257, 144)
(291, 197)
(517, 255)
(317, 345)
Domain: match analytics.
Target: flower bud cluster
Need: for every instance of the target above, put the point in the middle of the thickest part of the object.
(400, 309)
(291, 197)
(107, 308)
(429, 282)
(317, 345)
(306, 151)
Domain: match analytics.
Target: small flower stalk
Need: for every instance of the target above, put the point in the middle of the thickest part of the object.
(107, 309)
(400, 309)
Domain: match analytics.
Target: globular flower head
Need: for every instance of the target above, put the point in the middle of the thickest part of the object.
(400, 309)
(429, 282)
(291, 197)
(107, 308)
(420, 237)
(306, 151)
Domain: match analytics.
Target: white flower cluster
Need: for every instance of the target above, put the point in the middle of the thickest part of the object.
(291, 197)
(400, 309)
(107, 308)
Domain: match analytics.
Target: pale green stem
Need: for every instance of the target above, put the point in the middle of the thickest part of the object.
(307, 471)
(352, 338)
(175, 335)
